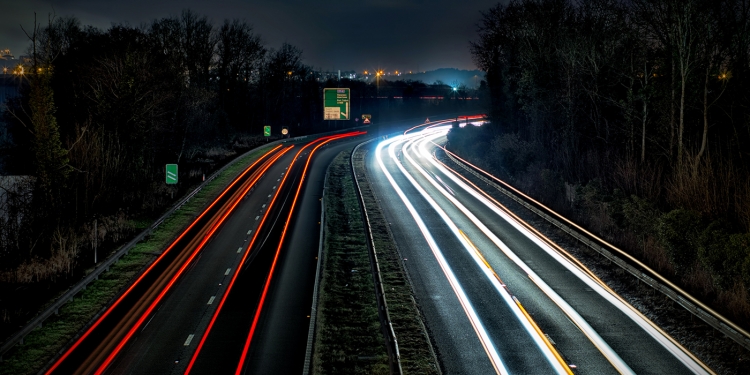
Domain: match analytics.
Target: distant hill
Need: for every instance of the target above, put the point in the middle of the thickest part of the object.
(449, 76)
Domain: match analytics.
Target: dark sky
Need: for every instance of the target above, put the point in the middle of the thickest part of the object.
(333, 34)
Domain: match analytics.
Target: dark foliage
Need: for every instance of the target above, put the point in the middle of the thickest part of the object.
(640, 109)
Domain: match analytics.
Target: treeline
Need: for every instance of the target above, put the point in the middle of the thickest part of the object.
(633, 116)
(102, 111)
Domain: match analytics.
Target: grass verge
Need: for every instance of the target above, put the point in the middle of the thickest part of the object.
(417, 356)
(348, 339)
(44, 343)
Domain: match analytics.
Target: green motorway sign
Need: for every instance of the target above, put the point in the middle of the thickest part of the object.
(267, 131)
(336, 104)
(171, 174)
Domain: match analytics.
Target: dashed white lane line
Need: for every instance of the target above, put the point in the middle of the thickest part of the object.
(211, 300)
(269, 195)
(228, 270)
(250, 231)
(264, 206)
(256, 218)
(189, 339)
(239, 250)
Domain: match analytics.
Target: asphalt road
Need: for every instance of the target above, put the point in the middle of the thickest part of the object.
(455, 334)
(167, 342)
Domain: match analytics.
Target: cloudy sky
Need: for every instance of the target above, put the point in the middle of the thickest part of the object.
(333, 34)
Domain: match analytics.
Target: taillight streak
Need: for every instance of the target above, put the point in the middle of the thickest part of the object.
(244, 257)
(187, 263)
(157, 261)
(278, 251)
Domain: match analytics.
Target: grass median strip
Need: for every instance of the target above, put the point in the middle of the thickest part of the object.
(417, 356)
(348, 339)
(44, 343)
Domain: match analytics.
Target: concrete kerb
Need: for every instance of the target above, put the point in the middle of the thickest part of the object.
(314, 309)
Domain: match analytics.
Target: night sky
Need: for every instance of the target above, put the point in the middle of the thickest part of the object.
(333, 34)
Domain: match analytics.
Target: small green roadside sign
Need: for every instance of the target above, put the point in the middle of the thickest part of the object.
(336, 104)
(171, 174)
(267, 131)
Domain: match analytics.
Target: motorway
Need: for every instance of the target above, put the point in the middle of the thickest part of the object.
(233, 293)
(497, 297)
(243, 271)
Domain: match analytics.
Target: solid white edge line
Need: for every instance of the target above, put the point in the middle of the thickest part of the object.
(577, 320)
(621, 305)
(457, 289)
(504, 294)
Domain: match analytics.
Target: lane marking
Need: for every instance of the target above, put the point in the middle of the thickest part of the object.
(93, 327)
(211, 300)
(505, 295)
(256, 218)
(259, 309)
(250, 231)
(190, 338)
(541, 334)
(196, 353)
(228, 271)
(188, 262)
(240, 249)
(683, 354)
(581, 323)
(584, 275)
(474, 320)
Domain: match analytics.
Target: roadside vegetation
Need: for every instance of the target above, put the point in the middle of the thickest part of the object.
(44, 343)
(101, 111)
(417, 355)
(631, 119)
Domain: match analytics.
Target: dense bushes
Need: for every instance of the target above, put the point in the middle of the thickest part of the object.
(641, 109)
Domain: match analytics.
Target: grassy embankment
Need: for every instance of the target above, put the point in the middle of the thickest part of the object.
(44, 343)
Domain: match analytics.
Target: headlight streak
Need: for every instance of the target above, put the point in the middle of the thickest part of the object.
(484, 339)
(503, 291)
(250, 246)
(525, 314)
(680, 352)
(579, 321)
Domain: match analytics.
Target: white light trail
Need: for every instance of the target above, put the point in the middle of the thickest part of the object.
(489, 347)
(661, 337)
(503, 292)
(573, 315)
